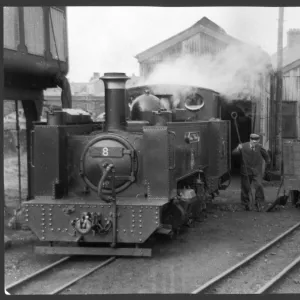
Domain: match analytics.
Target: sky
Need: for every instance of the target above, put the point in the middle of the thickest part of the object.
(107, 39)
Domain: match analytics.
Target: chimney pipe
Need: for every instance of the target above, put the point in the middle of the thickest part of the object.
(115, 116)
(293, 37)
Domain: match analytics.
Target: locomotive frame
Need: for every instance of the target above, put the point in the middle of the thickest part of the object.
(117, 183)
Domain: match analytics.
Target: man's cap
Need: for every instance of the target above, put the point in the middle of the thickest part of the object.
(254, 136)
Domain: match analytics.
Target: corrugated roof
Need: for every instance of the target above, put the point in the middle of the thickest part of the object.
(204, 25)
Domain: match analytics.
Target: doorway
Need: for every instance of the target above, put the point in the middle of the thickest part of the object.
(243, 108)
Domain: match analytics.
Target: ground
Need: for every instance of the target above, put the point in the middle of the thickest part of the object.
(11, 181)
(177, 266)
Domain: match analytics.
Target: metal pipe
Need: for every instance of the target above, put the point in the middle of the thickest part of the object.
(18, 150)
(106, 171)
(279, 92)
(114, 212)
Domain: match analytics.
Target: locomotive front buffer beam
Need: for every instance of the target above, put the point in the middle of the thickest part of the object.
(87, 229)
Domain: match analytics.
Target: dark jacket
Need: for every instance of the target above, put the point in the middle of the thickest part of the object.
(252, 158)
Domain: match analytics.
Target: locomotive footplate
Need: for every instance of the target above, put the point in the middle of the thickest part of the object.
(94, 251)
(84, 224)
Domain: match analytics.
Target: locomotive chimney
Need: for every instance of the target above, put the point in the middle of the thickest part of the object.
(115, 113)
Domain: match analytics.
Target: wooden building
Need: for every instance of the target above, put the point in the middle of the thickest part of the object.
(207, 38)
(204, 37)
(291, 86)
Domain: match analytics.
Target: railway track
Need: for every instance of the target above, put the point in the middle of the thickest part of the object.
(261, 271)
(56, 277)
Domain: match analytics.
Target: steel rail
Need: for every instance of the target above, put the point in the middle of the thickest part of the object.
(102, 264)
(25, 279)
(279, 276)
(223, 275)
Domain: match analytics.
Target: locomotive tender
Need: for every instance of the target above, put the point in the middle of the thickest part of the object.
(116, 183)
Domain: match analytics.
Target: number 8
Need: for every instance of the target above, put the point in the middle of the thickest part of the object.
(105, 151)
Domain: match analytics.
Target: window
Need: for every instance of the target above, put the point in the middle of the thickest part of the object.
(11, 31)
(34, 30)
(58, 35)
(289, 119)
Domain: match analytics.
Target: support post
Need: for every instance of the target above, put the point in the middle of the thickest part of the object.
(32, 111)
(278, 153)
(18, 150)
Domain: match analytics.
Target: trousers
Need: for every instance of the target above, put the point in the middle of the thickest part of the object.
(256, 180)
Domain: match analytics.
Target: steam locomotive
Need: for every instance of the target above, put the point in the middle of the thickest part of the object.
(105, 187)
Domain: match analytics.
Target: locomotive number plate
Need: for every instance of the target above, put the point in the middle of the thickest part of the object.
(106, 152)
(192, 137)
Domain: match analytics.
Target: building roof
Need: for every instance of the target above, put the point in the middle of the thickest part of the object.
(291, 58)
(77, 88)
(204, 25)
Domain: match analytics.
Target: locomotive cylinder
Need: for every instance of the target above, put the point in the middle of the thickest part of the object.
(115, 115)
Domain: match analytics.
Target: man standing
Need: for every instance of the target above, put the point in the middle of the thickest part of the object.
(251, 165)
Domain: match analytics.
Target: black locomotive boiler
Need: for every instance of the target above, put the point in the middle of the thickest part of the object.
(105, 188)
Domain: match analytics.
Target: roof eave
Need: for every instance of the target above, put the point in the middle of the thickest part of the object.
(182, 36)
(291, 66)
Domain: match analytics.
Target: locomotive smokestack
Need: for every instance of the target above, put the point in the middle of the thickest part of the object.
(115, 113)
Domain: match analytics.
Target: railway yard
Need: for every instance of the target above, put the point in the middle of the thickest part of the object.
(231, 251)
(155, 196)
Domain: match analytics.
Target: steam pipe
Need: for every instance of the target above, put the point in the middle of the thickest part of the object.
(115, 113)
(107, 169)
(114, 212)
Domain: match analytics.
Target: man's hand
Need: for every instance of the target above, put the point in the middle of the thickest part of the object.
(239, 147)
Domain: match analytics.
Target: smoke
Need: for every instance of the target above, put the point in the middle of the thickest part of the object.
(233, 72)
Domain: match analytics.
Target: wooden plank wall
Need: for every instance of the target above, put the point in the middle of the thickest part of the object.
(291, 157)
(197, 45)
(291, 92)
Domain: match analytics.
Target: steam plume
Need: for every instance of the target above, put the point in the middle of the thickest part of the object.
(233, 71)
